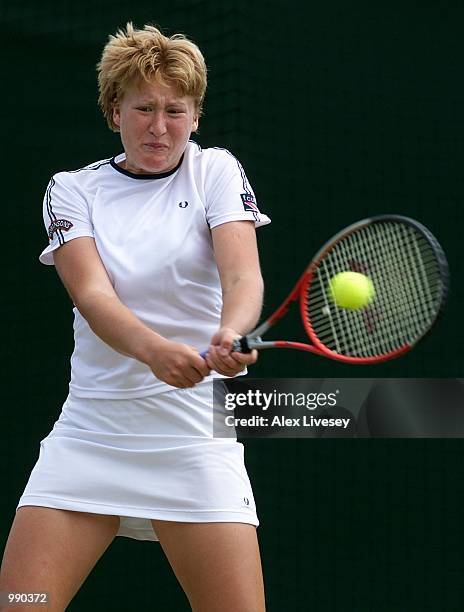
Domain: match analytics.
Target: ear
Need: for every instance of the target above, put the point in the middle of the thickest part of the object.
(116, 115)
(195, 123)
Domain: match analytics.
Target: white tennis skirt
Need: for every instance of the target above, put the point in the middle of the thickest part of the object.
(140, 459)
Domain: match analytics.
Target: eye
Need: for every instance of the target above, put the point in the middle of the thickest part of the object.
(145, 109)
(175, 111)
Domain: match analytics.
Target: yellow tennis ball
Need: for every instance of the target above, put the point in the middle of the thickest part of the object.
(351, 290)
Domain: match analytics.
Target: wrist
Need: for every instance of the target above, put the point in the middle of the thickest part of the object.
(150, 349)
(233, 329)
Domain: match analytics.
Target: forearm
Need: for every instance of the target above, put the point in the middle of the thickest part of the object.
(242, 303)
(118, 326)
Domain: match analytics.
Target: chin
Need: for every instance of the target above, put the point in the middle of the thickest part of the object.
(149, 168)
(156, 166)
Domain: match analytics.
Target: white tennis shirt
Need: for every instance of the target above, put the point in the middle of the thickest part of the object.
(153, 235)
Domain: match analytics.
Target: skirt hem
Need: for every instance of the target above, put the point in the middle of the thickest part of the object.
(135, 522)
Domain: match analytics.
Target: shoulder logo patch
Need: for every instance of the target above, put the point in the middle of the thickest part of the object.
(249, 203)
(59, 224)
(183, 204)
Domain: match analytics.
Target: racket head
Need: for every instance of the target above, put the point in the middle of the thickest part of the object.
(409, 271)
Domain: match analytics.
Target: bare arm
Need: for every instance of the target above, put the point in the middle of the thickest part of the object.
(236, 255)
(85, 278)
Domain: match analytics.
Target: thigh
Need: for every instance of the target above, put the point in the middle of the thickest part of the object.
(217, 564)
(53, 551)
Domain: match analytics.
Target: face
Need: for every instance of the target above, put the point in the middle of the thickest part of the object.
(155, 124)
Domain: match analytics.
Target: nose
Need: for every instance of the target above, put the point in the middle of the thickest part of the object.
(158, 124)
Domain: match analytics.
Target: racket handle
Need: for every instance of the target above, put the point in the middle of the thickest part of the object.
(241, 345)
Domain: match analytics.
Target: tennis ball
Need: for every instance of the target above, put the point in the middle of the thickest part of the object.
(351, 290)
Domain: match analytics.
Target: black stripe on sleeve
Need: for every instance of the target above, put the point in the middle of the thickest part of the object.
(246, 184)
(51, 214)
(94, 166)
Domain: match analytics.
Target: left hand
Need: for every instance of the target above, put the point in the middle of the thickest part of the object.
(220, 358)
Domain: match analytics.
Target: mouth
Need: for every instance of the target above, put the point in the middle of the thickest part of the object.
(153, 146)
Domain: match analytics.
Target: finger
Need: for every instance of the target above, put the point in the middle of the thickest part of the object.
(245, 357)
(235, 364)
(230, 360)
(220, 363)
(213, 363)
(225, 357)
(193, 373)
(216, 364)
(213, 353)
(225, 347)
(195, 376)
(186, 377)
(228, 371)
(201, 366)
(179, 383)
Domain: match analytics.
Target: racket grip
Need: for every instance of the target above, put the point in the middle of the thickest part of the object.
(241, 345)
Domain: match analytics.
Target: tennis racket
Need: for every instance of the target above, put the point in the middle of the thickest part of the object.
(409, 272)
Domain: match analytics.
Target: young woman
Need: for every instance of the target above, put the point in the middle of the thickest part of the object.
(157, 250)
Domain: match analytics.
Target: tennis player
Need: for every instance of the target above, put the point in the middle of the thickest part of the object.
(157, 250)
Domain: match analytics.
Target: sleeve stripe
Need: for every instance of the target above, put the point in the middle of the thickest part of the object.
(51, 214)
(196, 143)
(94, 166)
(246, 184)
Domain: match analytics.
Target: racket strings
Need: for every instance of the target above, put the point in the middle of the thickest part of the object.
(403, 267)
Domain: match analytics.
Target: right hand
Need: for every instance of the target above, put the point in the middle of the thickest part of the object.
(179, 365)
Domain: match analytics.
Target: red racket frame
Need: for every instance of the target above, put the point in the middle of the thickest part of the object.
(301, 292)
(302, 289)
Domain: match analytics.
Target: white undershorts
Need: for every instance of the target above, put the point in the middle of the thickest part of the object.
(140, 459)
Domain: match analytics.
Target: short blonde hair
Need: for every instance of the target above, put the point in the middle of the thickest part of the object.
(133, 55)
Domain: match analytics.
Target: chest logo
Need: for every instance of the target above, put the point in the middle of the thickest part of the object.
(59, 224)
(183, 204)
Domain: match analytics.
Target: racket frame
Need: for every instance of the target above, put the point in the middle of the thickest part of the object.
(301, 291)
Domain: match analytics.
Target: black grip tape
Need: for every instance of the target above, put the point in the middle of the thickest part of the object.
(244, 348)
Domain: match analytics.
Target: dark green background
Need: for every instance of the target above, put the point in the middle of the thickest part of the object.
(337, 111)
